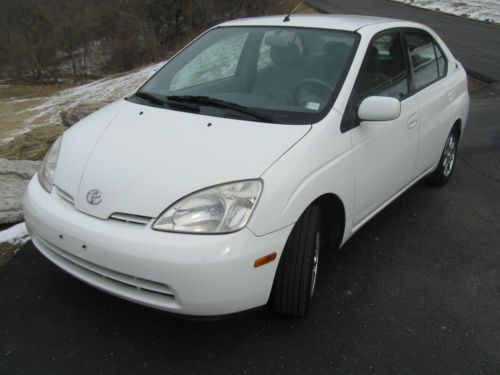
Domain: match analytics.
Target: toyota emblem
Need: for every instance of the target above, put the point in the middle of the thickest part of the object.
(94, 197)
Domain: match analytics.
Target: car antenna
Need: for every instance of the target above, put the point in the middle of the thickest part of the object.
(287, 17)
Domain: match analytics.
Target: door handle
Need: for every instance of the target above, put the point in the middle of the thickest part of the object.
(412, 121)
(450, 96)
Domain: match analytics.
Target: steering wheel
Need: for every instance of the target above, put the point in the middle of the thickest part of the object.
(300, 98)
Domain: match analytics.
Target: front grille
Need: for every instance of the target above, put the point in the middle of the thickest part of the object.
(65, 196)
(129, 218)
(120, 216)
(157, 293)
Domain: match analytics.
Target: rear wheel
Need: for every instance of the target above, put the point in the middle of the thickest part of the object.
(443, 171)
(297, 272)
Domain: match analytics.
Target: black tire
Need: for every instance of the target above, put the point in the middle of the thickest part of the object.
(294, 283)
(444, 170)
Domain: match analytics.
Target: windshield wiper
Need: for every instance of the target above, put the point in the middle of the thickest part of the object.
(219, 103)
(152, 98)
(164, 102)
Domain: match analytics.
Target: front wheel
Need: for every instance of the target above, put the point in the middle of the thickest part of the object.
(295, 279)
(444, 169)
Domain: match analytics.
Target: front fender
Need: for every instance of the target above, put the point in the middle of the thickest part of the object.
(319, 164)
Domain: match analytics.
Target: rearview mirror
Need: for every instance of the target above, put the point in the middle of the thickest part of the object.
(379, 108)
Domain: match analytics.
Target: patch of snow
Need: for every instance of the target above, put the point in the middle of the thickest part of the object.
(15, 99)
(482, 10)
(16, 234)
(103, 90)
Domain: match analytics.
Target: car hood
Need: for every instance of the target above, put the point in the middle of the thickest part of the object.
(142, 159)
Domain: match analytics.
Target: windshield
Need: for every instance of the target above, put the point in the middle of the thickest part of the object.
(268, 74)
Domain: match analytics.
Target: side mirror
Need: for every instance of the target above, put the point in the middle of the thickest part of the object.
(379, 108)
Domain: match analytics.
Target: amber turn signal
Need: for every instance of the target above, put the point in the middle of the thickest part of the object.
(265, 259)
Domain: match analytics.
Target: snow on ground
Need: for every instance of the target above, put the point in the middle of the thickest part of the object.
(482, 10)
(16, 234)
(104, 90)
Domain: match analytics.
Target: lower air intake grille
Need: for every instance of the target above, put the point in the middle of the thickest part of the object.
(111, 280)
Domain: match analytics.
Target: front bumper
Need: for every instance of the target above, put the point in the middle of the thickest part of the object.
(188, 274)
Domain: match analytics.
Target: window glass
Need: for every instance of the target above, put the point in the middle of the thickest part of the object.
(218, 61)
(423, 58)
(279, 74)
(384, 70)
(264, 56)
(441, 62)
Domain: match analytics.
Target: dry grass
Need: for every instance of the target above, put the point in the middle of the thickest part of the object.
(31, 145)
(16, 100)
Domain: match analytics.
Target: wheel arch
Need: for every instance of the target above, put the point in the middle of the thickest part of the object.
(458, 126)
(333, 218)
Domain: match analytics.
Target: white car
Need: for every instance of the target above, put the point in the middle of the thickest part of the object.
(212, 189)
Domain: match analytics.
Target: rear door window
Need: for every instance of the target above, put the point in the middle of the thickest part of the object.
(427, 60)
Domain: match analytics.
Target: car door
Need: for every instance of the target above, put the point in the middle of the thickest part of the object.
(384, 152)
(433, 92)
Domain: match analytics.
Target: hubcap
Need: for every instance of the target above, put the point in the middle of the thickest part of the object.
(449, 155)
(315, 264)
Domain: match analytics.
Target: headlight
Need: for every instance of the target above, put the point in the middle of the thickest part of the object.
(48, 169)
(219, 209)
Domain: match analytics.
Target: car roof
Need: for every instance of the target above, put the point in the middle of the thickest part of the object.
(347, 22)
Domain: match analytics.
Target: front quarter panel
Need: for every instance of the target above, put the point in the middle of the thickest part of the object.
(319, 164)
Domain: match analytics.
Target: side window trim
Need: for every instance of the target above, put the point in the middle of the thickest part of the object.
(408, 54)
(437, 47)
(437, 61)
(409, 64)
(409, 70)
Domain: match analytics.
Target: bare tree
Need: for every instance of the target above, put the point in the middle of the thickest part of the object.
(41, 39)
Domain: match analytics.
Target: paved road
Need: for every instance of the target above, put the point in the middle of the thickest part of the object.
(475, 44)
(416, 291)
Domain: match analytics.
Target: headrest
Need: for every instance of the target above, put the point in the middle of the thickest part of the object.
(289, 55)
(282, 51)
(373, 52)
(276, 40)
(336, 48)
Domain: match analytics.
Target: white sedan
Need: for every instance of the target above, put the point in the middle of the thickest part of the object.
(213, 188)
